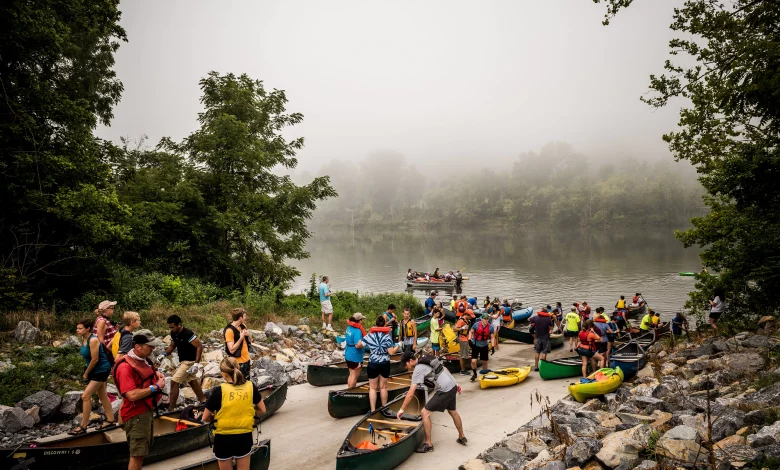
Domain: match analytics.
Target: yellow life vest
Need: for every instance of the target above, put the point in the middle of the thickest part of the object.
(621, 304)
(410, 329)
(237, 413)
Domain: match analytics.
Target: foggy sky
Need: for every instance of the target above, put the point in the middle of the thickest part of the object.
(429, 79)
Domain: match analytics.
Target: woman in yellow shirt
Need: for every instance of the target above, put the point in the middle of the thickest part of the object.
(232, 406)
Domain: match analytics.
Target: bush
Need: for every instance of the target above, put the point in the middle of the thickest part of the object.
(56, 369)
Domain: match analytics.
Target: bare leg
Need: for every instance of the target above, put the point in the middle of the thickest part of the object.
(107, 409)
(584, 366)
(136, 463)
(198, 391)
(243, 463)
(458, 423)
(372, 390)
(426, 417)
(383, 390)
(174, 397)
(86, 402)
(536, 361)
(225, 464)
(353, 377)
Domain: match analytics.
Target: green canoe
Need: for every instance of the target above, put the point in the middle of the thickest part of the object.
(355, 401)
(560, 368)
(338, 373)
(687, 274)
(423, 324)
(519, 333)
(393, 441)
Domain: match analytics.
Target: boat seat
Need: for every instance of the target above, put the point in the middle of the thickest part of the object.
(115, 435)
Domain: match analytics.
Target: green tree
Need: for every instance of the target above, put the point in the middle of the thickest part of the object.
(730, 130)
(58, 208)
(254, 219)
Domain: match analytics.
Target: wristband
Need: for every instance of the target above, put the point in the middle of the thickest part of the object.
(151, 388)
(165, 354)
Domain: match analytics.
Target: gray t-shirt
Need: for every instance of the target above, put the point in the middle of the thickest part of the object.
(125, 342)
(444, 383)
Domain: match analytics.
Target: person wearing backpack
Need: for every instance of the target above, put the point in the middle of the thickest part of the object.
(238, 339)
(139, 384)
(96, 374)
(189, 347)
(123, 342)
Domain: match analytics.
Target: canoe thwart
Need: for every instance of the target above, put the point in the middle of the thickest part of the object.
(385, 432)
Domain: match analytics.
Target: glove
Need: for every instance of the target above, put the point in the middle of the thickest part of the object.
(192, 369)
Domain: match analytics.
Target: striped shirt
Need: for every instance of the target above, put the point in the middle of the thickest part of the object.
(110, 330)
(378, 343)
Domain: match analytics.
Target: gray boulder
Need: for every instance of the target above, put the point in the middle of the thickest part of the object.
(475, 464)
(528, 444)
(14, 419)
(685, 433)
(766, 436)
(48, 402)
(647, 465)
(69, 405)
(767, 396)
(272, 331)
(756, 417)
(648, 404)
(770, 451)
(581, 451)
(25, 332)
(554, 465)
(504, 456)
(34, 413)
(741, 362)
(681, 444)
(758, 341)
(703, 350)
(727, 423)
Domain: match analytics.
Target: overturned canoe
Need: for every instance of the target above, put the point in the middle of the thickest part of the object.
(518, 333)
(355, 401)
(504, 377)
(338, 372)
(631, 358)
(584, 391)
(377, 442)
(259, 460)
(560, 368)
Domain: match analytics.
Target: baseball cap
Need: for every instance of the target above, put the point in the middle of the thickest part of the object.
(359, 316)
(408, 356)
(145, 336)
(105, 304)
(485, 316)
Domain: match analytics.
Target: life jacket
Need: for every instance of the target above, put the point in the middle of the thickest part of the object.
(237, 413)
(482, 333)
(407, 332)
(599, 319)
(506, 315)
(621, 304)
(146, 380)
(586, 343)
(117, 340)
(236, 334)
(380, 329)
(435, 364)
(635, 299)
(461, 309)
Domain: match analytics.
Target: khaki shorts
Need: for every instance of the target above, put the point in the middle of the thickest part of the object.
(464, 349)
(181, 376)
(140, 433)
(327, 307)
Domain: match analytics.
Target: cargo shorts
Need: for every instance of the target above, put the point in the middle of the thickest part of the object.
(139, 431)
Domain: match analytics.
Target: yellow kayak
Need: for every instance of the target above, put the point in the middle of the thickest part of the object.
(584, 391)
(504, 377)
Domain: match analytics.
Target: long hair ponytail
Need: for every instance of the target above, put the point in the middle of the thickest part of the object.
(229, 366)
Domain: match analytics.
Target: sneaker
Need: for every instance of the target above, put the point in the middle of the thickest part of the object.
(462, 441)
(464, 372)
(324, 325)
(330, 328)
(424, 448)
(474, 377)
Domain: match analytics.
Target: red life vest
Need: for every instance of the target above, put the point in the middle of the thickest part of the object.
(585, 343)
(482, 333)
(635, 299)
(379, 329)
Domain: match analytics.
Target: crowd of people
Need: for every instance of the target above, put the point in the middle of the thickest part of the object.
(449, 276)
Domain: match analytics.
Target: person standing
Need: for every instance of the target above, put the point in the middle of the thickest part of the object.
(190, 350)
(391, 321)
(430, 302)
(479, 336)
(572, 327)
(612, 332)
(409, 331)
(381, 346)
(233, 406)
(495, 320)
(543, 325)
(96, 374)
(237, 340)
(437, 322)
(462, 326)
(587, 347)
(452, 302)
(600, 321)
(679, 323)
(327, 307)
(717, 305)
(103, 327)
(585, 311)
(131, 322)
(353, 350)
(139, 384)
(429, 371)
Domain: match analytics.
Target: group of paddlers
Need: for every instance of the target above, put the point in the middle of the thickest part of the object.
(435, 276)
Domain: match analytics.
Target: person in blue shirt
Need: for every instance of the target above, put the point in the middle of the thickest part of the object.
(430, 302)
(353, 350)
(473, 302)
(679, 323)
(327, 307)
(391, 321)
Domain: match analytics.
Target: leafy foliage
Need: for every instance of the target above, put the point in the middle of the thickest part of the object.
(43, 368)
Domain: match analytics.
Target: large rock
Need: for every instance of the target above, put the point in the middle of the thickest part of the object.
(767, 435)
(505, 457)
(767, 396)
(623, 447)
(25, 332)
(581, 451)
(475, 464)
(770, 452)
(648, 404)
(736, 453)
(34, 413)
(525, 443)
(647, 465)
(759, 416)
(759, 341)
(272, 331)
(212, 370)
(741, 363)
(48, 403)
(214, 356)
(211, 382)
(69, 404)
(727, 423)
(14, 419)
(681, 443)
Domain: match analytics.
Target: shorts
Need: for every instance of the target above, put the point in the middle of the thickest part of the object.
(464, 349)
(570, 334)
(181, 376)
(715, 315)
(480, 352)
(602, 347)
(441, 401)
(139, 433)
(435, 346)
(244, 368)
(611, 338)
(586, 352)
(621, 323)
(98, 376)
(228, 446)
(327, 307)
(496, 324)
(542, 345)
(354, 365)
(375, 370)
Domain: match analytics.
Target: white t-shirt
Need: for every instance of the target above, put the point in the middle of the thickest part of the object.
(718, 307)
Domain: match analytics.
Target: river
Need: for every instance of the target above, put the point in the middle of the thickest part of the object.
(535, 267)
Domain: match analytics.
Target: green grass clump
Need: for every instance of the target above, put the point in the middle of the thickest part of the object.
(41, 368)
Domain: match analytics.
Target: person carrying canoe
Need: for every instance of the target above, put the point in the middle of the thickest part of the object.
(353, 353)
(391, 321)
(139, 384)
(96, 373)
(325, 305)
(430, 372)
(409, 331)
(437, 322)
(479, 338)
(233, 406)
(572, 327)
(587, 348)
(381, 346)
(189, 348)
(543, 324)
(237, 340)
(462, 326)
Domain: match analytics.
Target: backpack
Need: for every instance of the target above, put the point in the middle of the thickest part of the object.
(434, 363)
(116, 341)
(236, 334)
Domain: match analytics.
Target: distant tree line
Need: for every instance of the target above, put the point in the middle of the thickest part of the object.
(555, 187)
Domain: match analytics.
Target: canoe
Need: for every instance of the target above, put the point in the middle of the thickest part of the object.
(688, 273)
(108, 449)
(355, 401)
(274, 397)
(260, 459)
(636, 311)
(393, 441)
(560, 368)
(631, 358)
(650, 337)
(452, 363)
(449, 315)
(585, 391)
(504, 377)
(522, 314)
(556, 340)
(519, 333)
(338, 373)
(432, 285)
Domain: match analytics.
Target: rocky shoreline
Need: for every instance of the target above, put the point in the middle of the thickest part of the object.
(281, 355)
(694, 405)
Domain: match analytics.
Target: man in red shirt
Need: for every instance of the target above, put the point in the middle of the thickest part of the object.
(138, 383)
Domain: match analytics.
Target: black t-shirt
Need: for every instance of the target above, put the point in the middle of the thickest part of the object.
(183, 341)
(214, 403)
